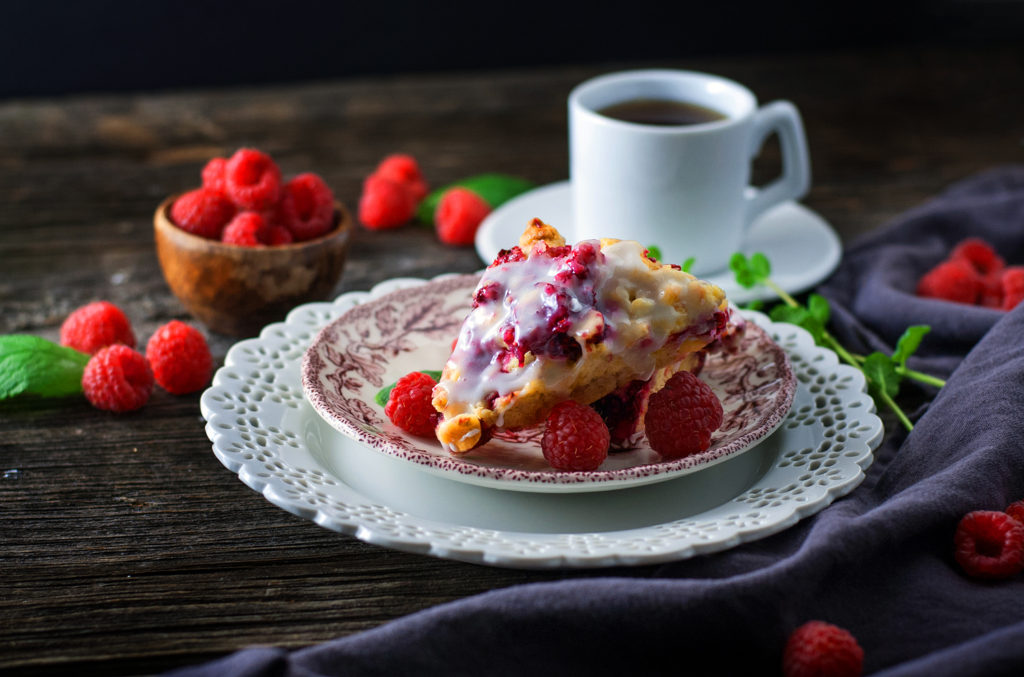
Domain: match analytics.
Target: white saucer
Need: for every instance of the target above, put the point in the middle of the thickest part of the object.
(803, 248)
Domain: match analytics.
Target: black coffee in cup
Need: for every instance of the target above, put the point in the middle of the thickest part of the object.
(662, 112)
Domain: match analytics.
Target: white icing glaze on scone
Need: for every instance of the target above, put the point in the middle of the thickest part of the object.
(551, 322)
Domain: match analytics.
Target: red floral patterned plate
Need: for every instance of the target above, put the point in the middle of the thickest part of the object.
(372, 345)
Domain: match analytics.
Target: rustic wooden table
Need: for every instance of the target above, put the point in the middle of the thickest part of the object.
(125, 546)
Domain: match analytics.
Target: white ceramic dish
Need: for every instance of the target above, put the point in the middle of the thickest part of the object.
(376, 343)
(803, 248)
(263, 429)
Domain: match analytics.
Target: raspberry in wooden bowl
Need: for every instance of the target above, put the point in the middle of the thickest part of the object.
(237, 290)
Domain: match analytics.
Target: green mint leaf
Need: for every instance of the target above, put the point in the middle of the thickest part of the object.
(34, 366)
(495, 189)
(818, 307)
(909, 343)
(761, 266)
(881, 372)
(802, 317)
(741, 268)
(381, 398)
(752, 271)
(688, 264)
(654, 252)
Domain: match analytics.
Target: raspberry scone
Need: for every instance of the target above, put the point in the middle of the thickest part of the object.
(552, 322)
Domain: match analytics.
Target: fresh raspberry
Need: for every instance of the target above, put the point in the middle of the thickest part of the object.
(96, 325)
(248, 229)
(252, 179)
(385, 203)
(203, 212)
(681, 416)
(979, 254)
(954, 280)
(1013, 287)
(404, 169)
(213, 175)
(989, 544)
(117, 379)
(409, 404)
(458, 216)
(279, 235)
(1016, 511)
(180, 358)
(575, 437)
(307, 207)
(992, 290)
(820, 649)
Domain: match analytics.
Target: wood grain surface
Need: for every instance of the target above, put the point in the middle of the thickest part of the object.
(125, 546)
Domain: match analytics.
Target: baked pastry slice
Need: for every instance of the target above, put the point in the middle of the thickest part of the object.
(552, 322)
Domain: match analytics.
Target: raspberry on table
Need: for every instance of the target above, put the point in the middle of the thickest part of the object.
(458, 216)
(402, 168)
(95, 326)
(117, 379)
(248, 229)
(180, 358)
(213, 175)
(385, 203)
(979, 254)
(307, 207)
(409, 404)
(1012, 283)
(989, 544)
(682, 416)
(1016, 511)
(820, 649)
(575, 438)
(203, 212)
(252, 179)
(953, 280)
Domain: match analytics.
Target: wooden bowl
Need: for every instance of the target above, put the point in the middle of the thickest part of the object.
(238, 290)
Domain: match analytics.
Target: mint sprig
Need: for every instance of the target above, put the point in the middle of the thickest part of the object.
(31, 365)
(884, 373)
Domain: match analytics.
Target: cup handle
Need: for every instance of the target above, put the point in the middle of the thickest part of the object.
(782, 118)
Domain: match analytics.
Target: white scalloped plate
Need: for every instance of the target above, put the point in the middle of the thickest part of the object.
(263, 429)
(378, 342)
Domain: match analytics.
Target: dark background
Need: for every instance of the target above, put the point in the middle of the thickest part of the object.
(51, 48)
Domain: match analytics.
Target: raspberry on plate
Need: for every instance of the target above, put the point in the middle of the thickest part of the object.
(820, 649)
(409, 405)
(989, 544)
(307, 207)
(458, 216)
(403, 169)
(954, 280)
(248, 229)
(385, 203)
(117, 379)
(252, 179)
(95, 326)
(203, 212)
(180, 358)
(575, 437)
(682, 416)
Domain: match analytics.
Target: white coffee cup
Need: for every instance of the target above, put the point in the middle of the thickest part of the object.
(684, 188)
